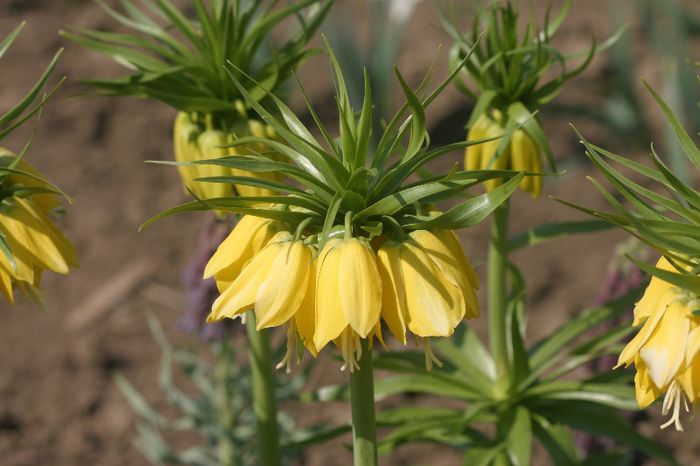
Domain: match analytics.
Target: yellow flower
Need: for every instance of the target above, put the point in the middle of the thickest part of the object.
(348, 295)
(35, 243)
(245, 240)
(521, 154)
(185, 133)
(274, 283)
(664, 350)
(427, 288)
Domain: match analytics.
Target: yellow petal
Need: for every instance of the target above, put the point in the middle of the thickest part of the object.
(449, 265)
(520, 156)
(5, 279)
(31, 238)
(241, 295)
(247, 238)
(645, 390)
(472, 154)
(449, 238)
(690, 381)
(280, 295)
(185, 146)
(330, 318)
(653, 293)
(360, 289)
(305, 317)
(633, 347)
(664, 351)
(210, 143)
(489, 160)
(434, 305)
(393, 292)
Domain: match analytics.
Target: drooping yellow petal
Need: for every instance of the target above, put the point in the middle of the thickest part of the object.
(653, 293)
(349, 290)
(393, 291)
(520, 156)
(185, 147)
(305, 317)
(449, 238)
(645, 390)
(535, 166)
(449, 265)
(242, 294)
(247, 238)
(330, 317)
(664, 351)
(210, 144)
(472, 154)
(29, 234)
(281, 294)
(690, 381)
(433, 304)
(6, 279)
(632, 348)
(491, 159)
(360, 288)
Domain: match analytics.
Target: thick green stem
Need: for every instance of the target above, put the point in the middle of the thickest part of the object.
(497, 290)
(364, 430)
(227, 448)
(264, 403)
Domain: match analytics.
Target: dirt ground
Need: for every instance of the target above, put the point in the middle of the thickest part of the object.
(59, 405)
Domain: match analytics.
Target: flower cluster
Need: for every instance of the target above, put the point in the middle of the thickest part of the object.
(359, 242)
(665, 349)
(193, 141)
(520, 152)
(31, 241)
(509, 76)
(340, 291)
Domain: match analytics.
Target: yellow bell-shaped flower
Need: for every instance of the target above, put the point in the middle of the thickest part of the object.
(274, 283)
(665, 349)
(348, 294)
(245, 240)
(426, 289)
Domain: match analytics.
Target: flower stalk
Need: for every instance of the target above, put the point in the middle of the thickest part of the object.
(497, 290)
(364, 430)
(224, 361)
(264, 403)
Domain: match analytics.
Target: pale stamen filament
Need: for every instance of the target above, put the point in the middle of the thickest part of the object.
(675, 397)
(286, 361)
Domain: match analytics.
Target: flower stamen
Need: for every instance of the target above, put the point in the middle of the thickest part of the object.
(673, 400)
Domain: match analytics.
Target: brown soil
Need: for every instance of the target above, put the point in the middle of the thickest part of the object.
(59, 405)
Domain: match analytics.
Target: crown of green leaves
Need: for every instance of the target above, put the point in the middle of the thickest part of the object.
(338, 184)
(508, 64)
(181, 61)
(668, 223)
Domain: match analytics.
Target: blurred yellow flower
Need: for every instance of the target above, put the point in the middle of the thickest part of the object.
(33, 241)
(665, 348)
(520, 154)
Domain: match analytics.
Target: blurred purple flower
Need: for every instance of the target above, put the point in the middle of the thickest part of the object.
(199, 293)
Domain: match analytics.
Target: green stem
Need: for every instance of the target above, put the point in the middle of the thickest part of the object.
(227, 448)
(264, 403)
(497, 291)
(364, 430)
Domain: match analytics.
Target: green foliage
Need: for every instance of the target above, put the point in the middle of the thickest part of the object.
(507, 67)
(537, 405)
(181, 61)
(220, 408)
(668, 223)
(340, 178)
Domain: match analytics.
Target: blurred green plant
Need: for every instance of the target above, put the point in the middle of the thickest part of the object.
(219, 408)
